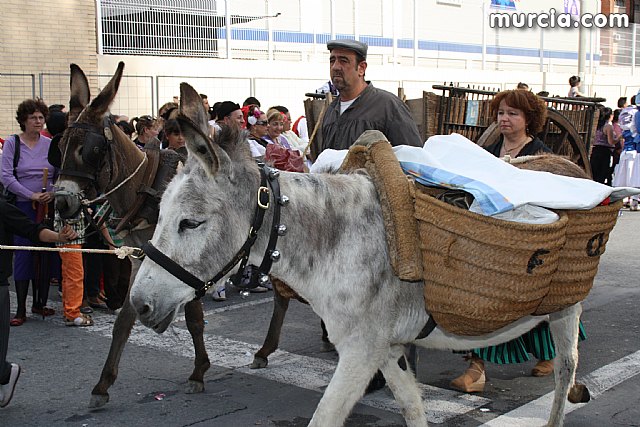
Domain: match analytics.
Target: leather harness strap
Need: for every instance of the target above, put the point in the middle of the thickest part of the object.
(427, 329)
(257, 275)
(153, 155)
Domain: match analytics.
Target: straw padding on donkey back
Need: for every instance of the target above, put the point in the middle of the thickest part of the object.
(483, 273)
(587, 236)
(373, 152)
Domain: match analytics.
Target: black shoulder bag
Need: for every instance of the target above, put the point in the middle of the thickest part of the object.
(6, 194)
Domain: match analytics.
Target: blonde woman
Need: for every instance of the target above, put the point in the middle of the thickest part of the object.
(275, 126)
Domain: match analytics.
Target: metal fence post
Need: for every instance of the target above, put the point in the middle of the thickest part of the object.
(227, 27)
(484, 34)
(591, 51)
(634, 31)
(394, 17)
(269, 33)
(541, 49)
(332, 17)
(153, 96)
(356, 23)
(40, 86)
(157, 91)
(415, 33)
(99, 26)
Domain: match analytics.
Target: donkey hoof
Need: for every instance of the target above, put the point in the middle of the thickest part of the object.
(259, 363)
(194, 387)
(579, 393)
(98, 400)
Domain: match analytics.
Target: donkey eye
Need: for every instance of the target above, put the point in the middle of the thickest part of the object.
(190, 223)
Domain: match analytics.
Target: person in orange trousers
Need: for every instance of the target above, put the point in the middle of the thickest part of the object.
(73, 272)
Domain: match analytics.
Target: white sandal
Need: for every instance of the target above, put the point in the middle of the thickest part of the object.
(82, 320)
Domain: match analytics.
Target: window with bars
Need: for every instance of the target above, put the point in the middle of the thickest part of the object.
(163, 27)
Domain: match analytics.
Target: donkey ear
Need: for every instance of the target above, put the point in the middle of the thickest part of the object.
(191, 106)
(213, 158)
(100, 105)
(80, 93)
(195, 128)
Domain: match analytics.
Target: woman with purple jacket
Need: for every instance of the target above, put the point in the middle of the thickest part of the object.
(26, 181)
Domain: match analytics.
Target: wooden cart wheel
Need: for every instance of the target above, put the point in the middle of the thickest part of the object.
(558, 134)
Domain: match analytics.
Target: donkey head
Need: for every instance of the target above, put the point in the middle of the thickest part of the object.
(86, 142)
(205, 214)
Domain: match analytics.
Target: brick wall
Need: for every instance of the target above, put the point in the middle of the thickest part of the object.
(38, 37)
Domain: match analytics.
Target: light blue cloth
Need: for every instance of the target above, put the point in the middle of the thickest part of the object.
(490, 201)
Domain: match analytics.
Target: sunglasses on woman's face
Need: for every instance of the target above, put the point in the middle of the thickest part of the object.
(262, 123)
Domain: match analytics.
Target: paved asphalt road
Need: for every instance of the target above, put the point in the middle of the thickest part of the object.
(62, 364)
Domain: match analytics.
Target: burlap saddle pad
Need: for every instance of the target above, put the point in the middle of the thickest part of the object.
(373, 152)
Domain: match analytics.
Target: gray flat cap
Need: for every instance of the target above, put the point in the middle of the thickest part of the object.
(356, 46)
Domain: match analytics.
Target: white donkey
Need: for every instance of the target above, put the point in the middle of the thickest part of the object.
(334, 255)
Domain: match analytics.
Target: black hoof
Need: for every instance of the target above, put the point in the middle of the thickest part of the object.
(579, 393)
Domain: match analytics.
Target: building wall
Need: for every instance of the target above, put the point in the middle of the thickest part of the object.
(42, 36)
(40, 65)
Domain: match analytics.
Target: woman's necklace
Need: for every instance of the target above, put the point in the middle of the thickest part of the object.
(516, 148)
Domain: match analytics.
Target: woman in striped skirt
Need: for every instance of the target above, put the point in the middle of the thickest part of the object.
(520, 115)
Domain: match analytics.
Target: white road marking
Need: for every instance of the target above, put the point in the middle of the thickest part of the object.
(231, 307)
(314, 374)
(293, 369)
(536, 412)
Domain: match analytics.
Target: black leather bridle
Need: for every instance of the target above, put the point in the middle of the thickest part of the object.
(98, 142)
(248, 276)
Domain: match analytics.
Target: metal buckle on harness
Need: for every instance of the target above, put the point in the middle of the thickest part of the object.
(261, 191)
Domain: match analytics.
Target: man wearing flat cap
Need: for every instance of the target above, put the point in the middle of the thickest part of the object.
(360, 106)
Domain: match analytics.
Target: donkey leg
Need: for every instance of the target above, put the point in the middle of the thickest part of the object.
(564, 329)
(121, 330)
(405, 390)
(195, 324)
(280, 306)
(349, 381)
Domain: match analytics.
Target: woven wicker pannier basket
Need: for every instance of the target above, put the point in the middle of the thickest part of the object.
(482, 273)
(587, 236)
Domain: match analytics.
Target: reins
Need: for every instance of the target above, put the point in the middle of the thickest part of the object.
(117, 187)
(248, 276)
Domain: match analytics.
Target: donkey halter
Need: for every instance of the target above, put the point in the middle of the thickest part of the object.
(247, 276)
(97, 142)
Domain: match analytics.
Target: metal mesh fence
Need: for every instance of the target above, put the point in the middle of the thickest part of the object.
(135, 95)
(160, 27)
(14, 88)
(408, 32)
(216, 88)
